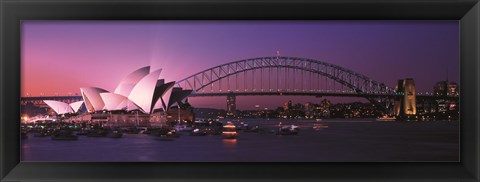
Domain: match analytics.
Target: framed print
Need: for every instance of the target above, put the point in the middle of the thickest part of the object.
(156, 90)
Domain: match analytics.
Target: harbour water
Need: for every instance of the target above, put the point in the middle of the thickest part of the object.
(345, 140)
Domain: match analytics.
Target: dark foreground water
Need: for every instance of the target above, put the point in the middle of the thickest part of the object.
(344, 140)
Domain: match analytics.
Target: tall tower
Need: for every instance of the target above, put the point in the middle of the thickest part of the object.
(406, 104)
(231, 106)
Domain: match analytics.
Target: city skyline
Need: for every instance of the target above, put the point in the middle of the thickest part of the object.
(75, 54)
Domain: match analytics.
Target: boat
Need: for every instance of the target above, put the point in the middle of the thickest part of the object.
(164, 134)
(198, 132)
(64, 135)
(115, 134)
(143, 130)
(229, 131)
(318, 119)
(288, 130)
(133, 130)
(42, 134)
(97, 133)
(82, 132)
(386, 118)
(257, 129)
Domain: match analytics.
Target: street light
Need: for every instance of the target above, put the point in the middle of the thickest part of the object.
(178, 106)
(266, 113)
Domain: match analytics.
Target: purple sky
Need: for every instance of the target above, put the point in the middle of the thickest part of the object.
(62, 56)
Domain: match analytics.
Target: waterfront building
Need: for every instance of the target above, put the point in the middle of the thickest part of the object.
(137, 99)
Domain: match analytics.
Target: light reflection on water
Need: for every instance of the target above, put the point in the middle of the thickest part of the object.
(229, 143)
(343, 140)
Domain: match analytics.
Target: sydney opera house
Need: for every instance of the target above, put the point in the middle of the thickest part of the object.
(140, 99)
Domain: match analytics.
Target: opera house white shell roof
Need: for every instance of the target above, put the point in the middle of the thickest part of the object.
(92, 98)
(126, 85)
(141, 90)
(62, 107)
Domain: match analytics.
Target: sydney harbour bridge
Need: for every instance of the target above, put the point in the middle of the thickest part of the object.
(273, 76)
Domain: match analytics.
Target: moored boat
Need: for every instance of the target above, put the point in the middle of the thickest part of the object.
(115, 134)
(64, 135)
(198, 132)
(42, 134)
(82, 132)
(97, 133)
(164, 134)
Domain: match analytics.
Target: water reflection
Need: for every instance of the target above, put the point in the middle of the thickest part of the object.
(229, 143)
(333, 141)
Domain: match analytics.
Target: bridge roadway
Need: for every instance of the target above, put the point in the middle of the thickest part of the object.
(38, 99)
(313, 93)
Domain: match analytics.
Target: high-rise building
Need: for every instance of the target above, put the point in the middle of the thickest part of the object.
(231, 106)
(406, 104)
(287, 105)
(440, 88)
(452, 89)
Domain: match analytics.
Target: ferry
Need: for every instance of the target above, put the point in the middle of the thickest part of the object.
(229, 131)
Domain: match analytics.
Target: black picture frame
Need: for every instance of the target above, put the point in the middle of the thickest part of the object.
(14, 11)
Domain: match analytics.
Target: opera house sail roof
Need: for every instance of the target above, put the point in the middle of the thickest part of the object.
(62, 107)
(126, 85)
(141, 90)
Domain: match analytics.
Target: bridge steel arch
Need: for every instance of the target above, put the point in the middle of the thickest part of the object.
(357, 82)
